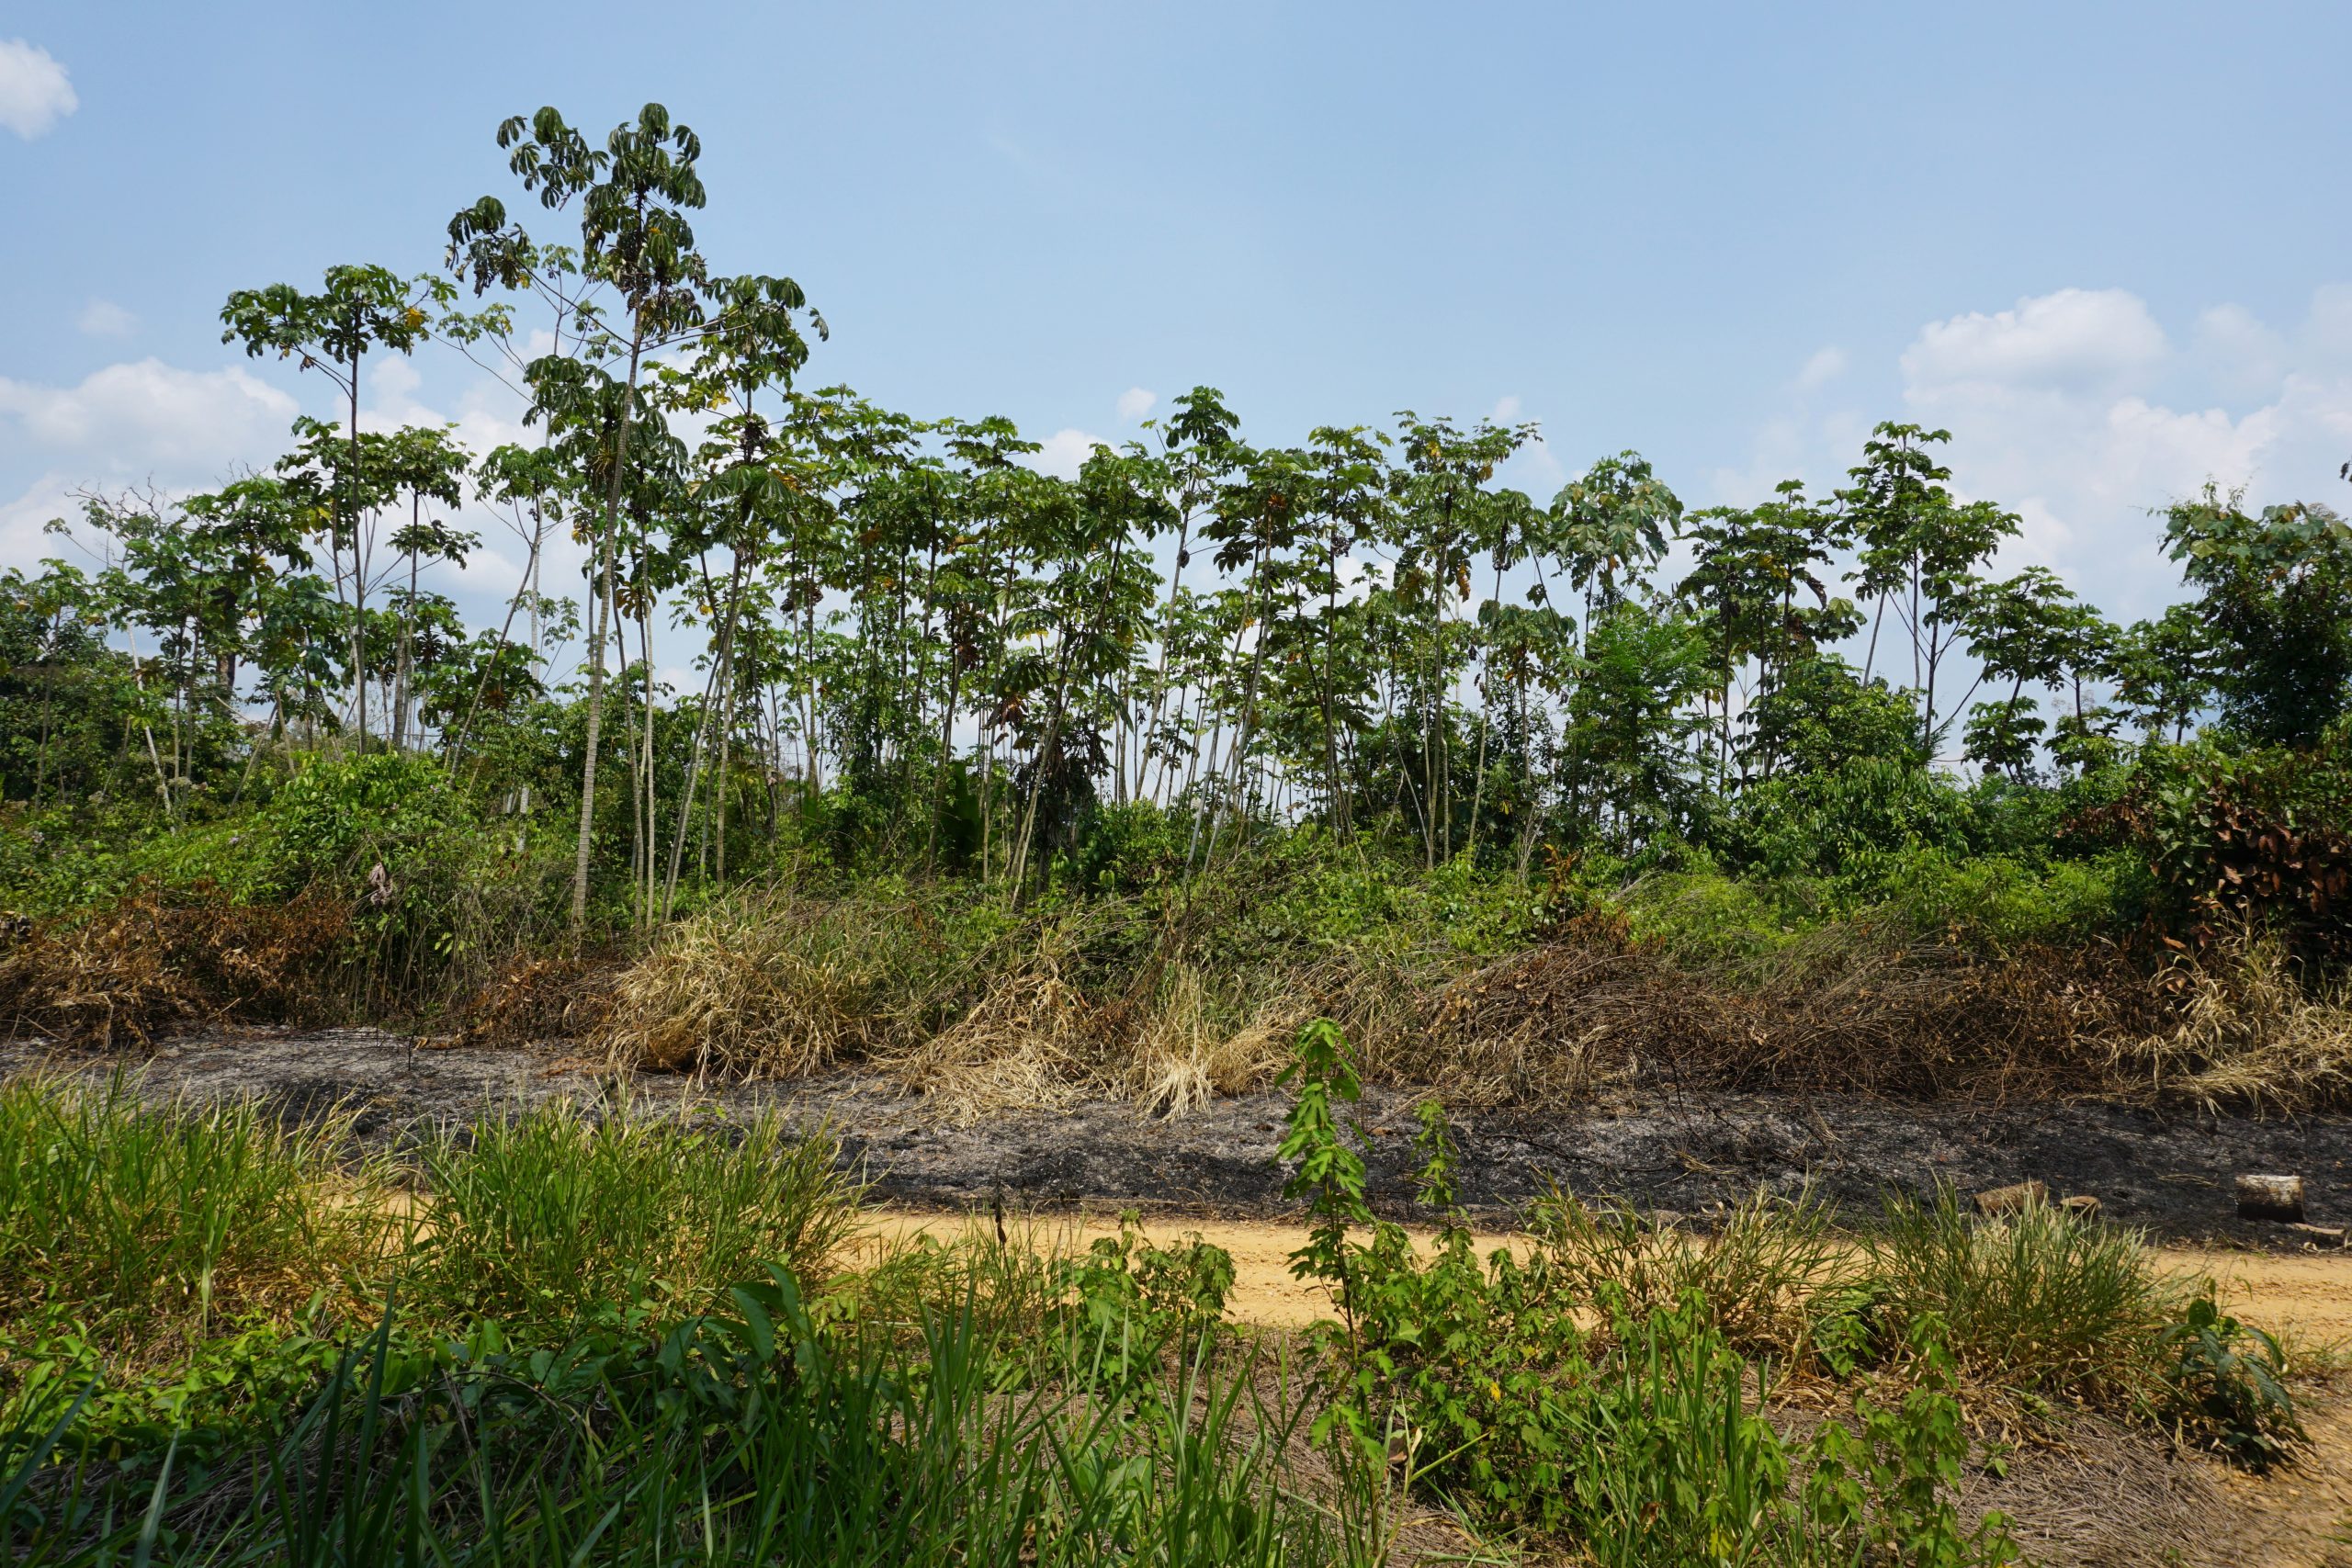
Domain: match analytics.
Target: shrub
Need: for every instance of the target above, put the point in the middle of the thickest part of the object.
(1132, 1301)
(1705, 919)
(1638, 1438)
(2234, 841)
(2223, 1386)
(1848, 824)
(339, 817)
(2000, 906)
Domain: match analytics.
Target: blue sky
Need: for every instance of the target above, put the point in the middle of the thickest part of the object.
(2106, 246)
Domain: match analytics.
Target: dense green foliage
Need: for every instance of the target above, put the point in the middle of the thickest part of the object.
(919, 655)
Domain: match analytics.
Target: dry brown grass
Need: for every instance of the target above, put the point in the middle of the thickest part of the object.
(2249, 1033)
(149, 963)
(791, 987)
(744, 991)
(1033, 1041)
(533, 999)
(1839, 1013)
(1186, 1052)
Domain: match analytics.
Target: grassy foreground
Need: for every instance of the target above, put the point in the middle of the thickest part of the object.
(560, 1338)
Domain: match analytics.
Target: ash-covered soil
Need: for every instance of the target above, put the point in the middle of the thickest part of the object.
(2167, 1170)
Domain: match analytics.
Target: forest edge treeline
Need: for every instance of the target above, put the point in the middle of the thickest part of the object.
(1205, 713)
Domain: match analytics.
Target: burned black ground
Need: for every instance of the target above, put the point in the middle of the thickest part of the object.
(2167, 1170)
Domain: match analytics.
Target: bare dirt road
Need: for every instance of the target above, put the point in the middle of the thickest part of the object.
(2307, 1296)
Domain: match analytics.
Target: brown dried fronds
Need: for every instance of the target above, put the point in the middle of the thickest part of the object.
(152, 963)
(1840, 1012)
(534, 998)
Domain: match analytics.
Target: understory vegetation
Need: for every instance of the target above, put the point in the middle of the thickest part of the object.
(859, 740)
(574, 1335)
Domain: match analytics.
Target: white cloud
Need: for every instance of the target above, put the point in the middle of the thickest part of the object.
(2081, 412)
(2239, 352)
(1536, 469)
(2326, 334)
(1824, 364)
(137, 423)
(2075, 337)
(1136, 402)
(1507, 409)
(136, 416)
(23, 523)
(103, 318)
(2074, 411)
(1065, 452)
(146, 423)
(486, 416)
(34, 92)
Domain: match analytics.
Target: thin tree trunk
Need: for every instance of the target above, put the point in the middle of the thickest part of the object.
(596, 660)
(713, 693)
(358, 572)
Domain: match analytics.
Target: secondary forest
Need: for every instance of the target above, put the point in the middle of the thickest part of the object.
(1340, 766)
(1019, 786)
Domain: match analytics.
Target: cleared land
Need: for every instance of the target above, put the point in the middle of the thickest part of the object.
(2168, 1172)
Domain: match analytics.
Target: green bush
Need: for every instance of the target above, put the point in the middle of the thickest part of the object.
(61, 864)
(1998, 905)
(198, 1403)
(1556, 1396)
(338, 818)
(1848, 823)
(2223, 1386)
(1706, 919)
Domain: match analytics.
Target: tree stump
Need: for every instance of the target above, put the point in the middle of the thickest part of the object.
(2271, 1197)
(2009, 1200)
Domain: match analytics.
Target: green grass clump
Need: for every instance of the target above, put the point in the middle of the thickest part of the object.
(1761, 1273)
(151, 1223)
(556, 1214)
(2043, 1301)
(756, 1435)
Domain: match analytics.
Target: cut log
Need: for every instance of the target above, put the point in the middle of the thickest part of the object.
(2081, 1204)
(2270, 1197)
(2321, 1235)
(2010, 1199)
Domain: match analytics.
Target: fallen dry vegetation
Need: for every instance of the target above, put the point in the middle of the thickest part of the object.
(746, 993)
(1839, 1013)
(149, 963)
